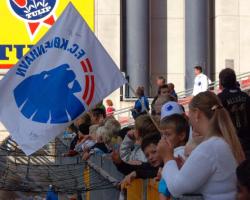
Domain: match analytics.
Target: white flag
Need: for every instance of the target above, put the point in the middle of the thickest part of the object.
(63, 75)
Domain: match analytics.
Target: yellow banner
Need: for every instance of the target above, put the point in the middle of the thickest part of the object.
(24, 22)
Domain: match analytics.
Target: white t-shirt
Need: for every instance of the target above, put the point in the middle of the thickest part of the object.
(201, 82)
(209, 170)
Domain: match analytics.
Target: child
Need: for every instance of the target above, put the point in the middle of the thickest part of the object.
(130, 150)
(113, 140)
(110, 109)
(243, 176)
(90, 140)
(99, 147)
(97, 115)
(149, 169)
(141, 106)
(175, 128)
(83, 136)
(80, 139)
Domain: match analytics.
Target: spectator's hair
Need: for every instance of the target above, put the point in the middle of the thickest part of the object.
(84, 119)
(84, 129)
(105, 134)
(220, 122)
(227, 78)
(162, 79)
(100, 133)
(152, 138)
(123, 132)
(109, 102)
(170, 85)
(144, 125)
(140, 91)
(178, 123)
(93, 129)
(198, 68)
(113, 125)
(98, 112)
(162, 87)
(243, 173)
(73, 128)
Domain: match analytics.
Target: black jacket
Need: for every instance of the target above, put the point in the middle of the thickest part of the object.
(238, 105)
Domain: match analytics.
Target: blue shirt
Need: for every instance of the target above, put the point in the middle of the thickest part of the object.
(162, 188)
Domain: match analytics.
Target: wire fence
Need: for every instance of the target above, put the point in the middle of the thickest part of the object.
(33, 174)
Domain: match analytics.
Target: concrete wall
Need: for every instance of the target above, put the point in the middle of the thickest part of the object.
(232, 35)
(167, 41)
(107, 29)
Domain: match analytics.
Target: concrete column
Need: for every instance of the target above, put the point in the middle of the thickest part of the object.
(137, 43)
(196, 38)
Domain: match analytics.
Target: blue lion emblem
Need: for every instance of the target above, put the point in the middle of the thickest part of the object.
(47, 97)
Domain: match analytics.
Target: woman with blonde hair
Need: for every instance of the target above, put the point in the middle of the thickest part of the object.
(210, 169)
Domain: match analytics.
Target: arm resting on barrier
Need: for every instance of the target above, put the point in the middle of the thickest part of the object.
(144, 171)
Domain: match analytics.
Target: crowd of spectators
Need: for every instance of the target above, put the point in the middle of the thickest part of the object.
(203, 152)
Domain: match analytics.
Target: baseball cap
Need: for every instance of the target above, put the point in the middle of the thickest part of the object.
(171, 108)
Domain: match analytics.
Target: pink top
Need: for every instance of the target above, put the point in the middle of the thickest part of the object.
(110, 111)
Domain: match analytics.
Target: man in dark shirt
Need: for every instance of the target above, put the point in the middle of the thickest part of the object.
(238, 105)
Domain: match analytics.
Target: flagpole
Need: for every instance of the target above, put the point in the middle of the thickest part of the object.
(154, 122)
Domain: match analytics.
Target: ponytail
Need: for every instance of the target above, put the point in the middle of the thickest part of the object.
(220, 121)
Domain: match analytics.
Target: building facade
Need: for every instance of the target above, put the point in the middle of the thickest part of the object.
(148, 38)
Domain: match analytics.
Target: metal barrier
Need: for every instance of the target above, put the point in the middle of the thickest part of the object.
(148, 190)
(138, 190)
(125, 118)
(213, 86)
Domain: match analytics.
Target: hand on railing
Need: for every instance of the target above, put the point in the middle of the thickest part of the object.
(128, 180)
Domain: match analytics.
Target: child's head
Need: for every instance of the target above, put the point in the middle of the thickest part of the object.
(103, 134)
(109, 102)
(140, 91)
(243, 176)
(171, 87)
(143, 126)
(92, 131)
(176, 129)
(97, 115)
(149, 145)
(99, 134)
(113, 125)
(170, 108)
(83, 130)
(84, 119)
